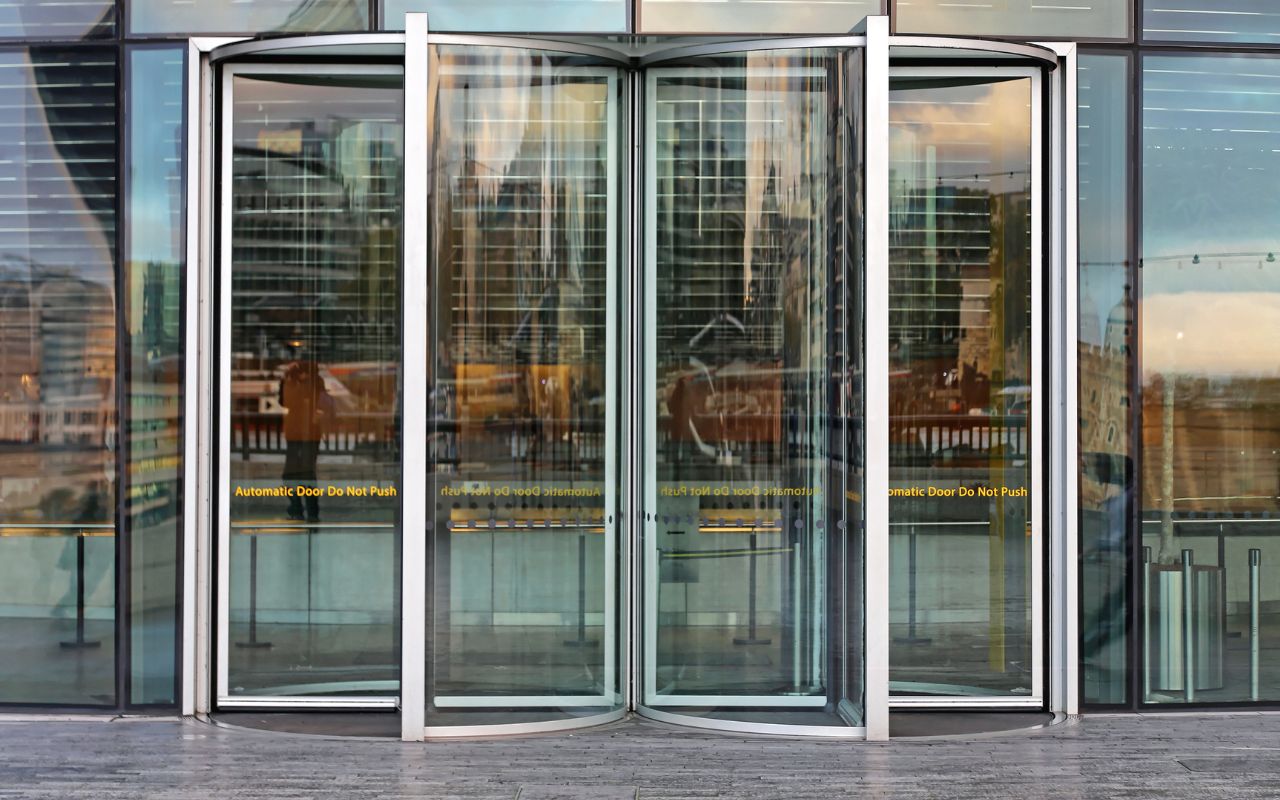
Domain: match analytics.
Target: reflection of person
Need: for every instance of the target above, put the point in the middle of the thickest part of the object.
(309, 407)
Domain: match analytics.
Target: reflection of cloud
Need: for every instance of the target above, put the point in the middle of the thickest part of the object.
(1211, 333)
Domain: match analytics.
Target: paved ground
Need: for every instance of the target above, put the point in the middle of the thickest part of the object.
(1175, 755)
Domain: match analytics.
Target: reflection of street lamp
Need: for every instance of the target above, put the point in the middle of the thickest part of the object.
(1166, 467)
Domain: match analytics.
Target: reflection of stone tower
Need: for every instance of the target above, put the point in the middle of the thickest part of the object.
(1104, 407)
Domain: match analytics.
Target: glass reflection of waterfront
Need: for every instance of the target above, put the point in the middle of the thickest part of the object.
(58, 426)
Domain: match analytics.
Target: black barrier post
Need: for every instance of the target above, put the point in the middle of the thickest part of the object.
(911, 637)
(751, 637)
(80, 643)
(253, 642)
(582, 640)
(1188, 627)
(1255, 600)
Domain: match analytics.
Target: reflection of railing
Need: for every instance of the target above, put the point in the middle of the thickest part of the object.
(374, 434)
(80, 531)
(565, 443)
(954, 436)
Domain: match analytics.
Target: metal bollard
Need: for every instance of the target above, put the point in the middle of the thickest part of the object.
(1188, 629)
(1255, 600)
(1147, 658)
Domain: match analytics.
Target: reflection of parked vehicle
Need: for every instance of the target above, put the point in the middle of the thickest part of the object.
(733, 403)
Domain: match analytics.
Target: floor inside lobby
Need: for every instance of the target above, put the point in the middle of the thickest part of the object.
(1169, 755)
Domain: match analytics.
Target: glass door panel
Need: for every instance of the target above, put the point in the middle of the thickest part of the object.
(752, 451)
(523, 532)
(308, 548)
(964, 360)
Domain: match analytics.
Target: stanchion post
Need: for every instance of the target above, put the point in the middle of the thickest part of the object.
(911, 637)
(751, 637)
(80, 642)
(1188, 627)
(1147, 659)
(582, 640)
(1255, 600)
(254, 643)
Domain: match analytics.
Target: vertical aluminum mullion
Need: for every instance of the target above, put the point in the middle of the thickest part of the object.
(222, 386)
(1064, 687)
(413, 403)
(876, 379)
(1038, 350)
(634, 300)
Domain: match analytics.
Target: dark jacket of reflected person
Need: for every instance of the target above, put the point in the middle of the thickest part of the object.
(309, 410)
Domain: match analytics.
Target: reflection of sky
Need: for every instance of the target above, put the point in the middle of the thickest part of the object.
(1104, 213)
(54, 225)
(155, 118)
(1212, 20)
(246, 16)
(1211, 203)
(1100, 18)
(592, 16)
(1211, 156)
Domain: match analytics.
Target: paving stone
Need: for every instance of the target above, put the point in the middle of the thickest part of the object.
(1136, 756)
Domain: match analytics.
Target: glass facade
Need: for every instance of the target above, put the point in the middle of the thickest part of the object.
(1084, 19)
(728, 188)
(1209, 315)
(752, 16)
(1106, 336)
(159, 17)
(151, 303)
(58, 474)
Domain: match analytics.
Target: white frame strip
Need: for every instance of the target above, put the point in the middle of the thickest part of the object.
(413, 406)
(876, 380)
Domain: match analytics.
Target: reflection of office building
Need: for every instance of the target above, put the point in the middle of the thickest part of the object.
(677, 377)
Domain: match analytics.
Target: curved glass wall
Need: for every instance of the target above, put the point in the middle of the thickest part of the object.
(752, 560)
(962, 355)
(523, 532)
(310, 546)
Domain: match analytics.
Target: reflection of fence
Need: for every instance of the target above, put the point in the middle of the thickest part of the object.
(954, 436)
(352, 434)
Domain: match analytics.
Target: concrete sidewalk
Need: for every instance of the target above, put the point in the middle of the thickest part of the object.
(1170, 755)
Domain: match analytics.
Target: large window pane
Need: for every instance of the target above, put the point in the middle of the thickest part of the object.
(57, 19)
(245, 16)
(1246, 21)
(1106, 316)
(1210, 377)
(524, 534)
(1089, 19)
(313, 363)
(57, 376)
(961, 360)
(592, 16)
(153, 413)
(753, 16)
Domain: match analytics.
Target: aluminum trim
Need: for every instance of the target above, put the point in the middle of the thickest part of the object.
(286, 702)
(1036, 52)
(735, 726)
(533, 43)
(876, 381)
(413, 406)
(749, 45)
(519, 728)
(1064, 572)
(259, 47)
